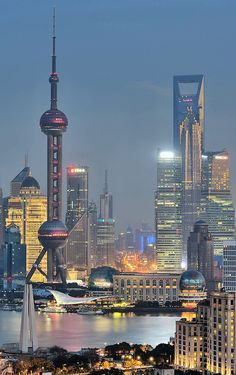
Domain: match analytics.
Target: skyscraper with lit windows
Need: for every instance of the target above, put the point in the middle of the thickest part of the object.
(77, 194)
(77, 257)
(106, 229)
(28, 211)
(168, 212)
(216, 203)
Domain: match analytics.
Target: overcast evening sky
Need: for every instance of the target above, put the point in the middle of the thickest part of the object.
(116, 61)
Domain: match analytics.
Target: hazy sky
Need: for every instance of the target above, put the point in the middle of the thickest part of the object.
(116, 61)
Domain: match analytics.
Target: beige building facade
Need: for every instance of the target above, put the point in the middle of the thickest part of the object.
(208, 343)
(134, 287)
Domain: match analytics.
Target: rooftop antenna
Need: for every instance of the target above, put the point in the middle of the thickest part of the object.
(26, 160)
(106, 183)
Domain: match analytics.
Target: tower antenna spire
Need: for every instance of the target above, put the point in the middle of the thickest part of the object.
(54, 41)
(53, 79)
(106, 183)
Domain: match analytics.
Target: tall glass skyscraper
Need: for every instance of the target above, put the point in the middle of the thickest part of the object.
(216, 204)
(77, 218)
(191, 174)
(189, 143)
(106, 229)
(77, 194)
(168, 212)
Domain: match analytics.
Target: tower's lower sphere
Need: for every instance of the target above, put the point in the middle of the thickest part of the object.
(53, 234)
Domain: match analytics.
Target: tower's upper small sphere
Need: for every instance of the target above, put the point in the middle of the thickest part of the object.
(53, 121)
(192, 280)
(53, 234)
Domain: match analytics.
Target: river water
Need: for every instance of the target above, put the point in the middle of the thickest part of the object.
(74, 331)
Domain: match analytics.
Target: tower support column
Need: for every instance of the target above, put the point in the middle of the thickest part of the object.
(28, 336)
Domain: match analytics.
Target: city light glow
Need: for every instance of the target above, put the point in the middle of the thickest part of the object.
(166, 154)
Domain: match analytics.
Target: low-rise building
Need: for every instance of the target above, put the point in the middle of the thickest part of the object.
(134, 287)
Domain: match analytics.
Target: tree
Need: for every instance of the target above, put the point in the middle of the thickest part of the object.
(112, 371)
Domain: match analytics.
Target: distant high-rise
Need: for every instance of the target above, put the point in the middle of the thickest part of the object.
(144, 237)
(92, 235)
(229, 266)
(77, 256)
(106, 229)
(14, 257)
(168, 212)
(77, 245)
(216, 202)
(188, 93)
(77, 194)
(28, 211)
(129, 240)
(200, 252)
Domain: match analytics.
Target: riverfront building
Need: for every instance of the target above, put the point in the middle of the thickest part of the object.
(132, 287)
(168, 213)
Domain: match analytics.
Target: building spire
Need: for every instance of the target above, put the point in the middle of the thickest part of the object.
(54, 42)
(106, 183)
(54, 77)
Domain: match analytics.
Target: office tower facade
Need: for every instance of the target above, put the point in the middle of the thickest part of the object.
(28, 211)
(77, 194)
(216, 203)
(53, 124)
(188, 93)
(208, 343)
(168, 212)
(14, 257)
(200, 252)
(106, 229)
(229, 266)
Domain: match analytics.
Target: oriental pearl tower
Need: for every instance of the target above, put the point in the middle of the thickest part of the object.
(53, 233)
